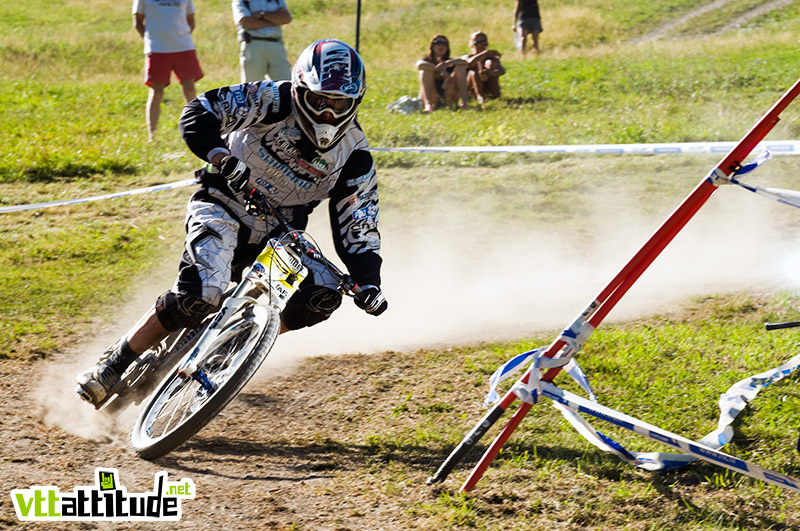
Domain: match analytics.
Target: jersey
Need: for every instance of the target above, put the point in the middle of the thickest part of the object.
(254, 121)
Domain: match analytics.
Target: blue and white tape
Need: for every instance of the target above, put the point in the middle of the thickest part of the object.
(731, 403)
(695, 450)
(783, 147)
(157, 188)
(786, 147)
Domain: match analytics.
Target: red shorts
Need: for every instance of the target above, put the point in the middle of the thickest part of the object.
(159, 65)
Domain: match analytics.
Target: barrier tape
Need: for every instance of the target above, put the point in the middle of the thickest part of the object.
(784, 147)
(696, 450)
(789, 147)
(157, 188)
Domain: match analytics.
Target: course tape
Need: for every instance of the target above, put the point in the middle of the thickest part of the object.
(777, 147)
(784, 147)
(157, 188)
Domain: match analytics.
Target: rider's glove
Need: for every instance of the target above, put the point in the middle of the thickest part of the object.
(235, 172)
(371, 300)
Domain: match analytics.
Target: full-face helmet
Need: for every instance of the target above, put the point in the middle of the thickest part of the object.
(327, 86)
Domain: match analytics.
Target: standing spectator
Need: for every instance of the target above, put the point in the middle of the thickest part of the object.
(527, 21)
(166, 27)
(442, 79)
(483, 68)
(262, 55)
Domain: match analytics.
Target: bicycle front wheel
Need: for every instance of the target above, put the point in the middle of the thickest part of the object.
(181, 406)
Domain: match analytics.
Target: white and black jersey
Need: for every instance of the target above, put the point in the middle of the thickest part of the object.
(254, 121)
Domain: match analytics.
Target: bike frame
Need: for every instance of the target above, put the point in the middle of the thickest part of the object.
(277, 272)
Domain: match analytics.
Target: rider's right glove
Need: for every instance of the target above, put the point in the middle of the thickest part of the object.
(235, 172)
(371, 300)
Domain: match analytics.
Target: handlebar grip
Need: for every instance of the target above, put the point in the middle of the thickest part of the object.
(358, 293)
(778, 326)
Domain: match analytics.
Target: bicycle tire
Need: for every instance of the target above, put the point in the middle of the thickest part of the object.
(242, 366)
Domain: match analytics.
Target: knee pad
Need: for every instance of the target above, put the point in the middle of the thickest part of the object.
(310, 306)
(176, 311)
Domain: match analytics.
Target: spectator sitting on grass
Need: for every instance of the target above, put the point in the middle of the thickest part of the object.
(441, 79)
(483, 68)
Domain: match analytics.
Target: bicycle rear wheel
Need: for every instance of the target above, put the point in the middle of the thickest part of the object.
(181, 407)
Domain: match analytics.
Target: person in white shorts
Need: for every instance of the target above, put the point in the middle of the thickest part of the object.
(262, 54)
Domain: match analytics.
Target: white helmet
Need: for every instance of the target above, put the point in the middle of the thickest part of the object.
(327, 87)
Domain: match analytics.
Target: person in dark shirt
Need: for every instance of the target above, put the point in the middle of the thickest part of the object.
(527, 21)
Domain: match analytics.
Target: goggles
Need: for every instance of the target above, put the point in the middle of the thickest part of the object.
(320, 104)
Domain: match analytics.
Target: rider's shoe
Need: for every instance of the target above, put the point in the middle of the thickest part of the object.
(94, 383)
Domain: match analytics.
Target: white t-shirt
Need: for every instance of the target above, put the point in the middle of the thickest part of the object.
(165, 26)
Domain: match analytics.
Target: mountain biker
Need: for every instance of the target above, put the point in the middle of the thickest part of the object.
(298, 143)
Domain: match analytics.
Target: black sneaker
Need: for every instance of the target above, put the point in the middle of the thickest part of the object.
(94, 383)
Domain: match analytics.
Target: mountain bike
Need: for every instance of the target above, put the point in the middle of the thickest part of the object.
(191, 376)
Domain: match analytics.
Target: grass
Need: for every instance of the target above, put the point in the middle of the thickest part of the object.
(547, 476)
(73, 109)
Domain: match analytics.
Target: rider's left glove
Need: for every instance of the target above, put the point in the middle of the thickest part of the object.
(235, 172)
(371, 300)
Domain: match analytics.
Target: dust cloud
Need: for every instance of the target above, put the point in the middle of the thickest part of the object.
(460, 279)
(457, 277)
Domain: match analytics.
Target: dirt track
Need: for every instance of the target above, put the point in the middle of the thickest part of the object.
(247, 472)
(277, 484)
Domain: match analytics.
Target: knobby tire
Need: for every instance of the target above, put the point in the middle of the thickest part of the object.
(148, 447)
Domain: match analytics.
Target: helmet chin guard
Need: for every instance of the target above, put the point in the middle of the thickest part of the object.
(328, 84)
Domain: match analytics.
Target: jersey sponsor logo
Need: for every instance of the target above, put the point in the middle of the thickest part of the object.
(265, 186)
(320, 163)
(223, 108)
(364, 178)
(277, 168)
(372, 195)
(290, 134)
(352, 200)
(317, 167)
(238, 97)
(286, 171)
(301, 183)
(364, 231)
(368, 212)
(286, 146)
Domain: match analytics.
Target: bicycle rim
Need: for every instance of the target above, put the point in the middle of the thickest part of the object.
(181, 407)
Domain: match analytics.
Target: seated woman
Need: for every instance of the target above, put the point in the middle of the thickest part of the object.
(441, 79)
(483, 68)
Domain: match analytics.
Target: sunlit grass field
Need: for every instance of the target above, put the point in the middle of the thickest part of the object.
(72, 105)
